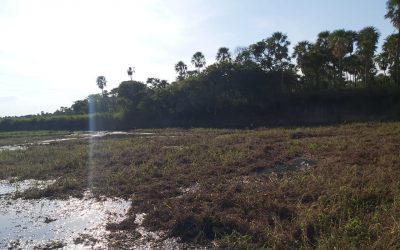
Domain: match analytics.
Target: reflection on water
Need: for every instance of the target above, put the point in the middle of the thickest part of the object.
(74, 136)
(71, 223)
(7, 187)
(12, 148)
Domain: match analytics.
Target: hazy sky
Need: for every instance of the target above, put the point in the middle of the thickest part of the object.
(51, 51)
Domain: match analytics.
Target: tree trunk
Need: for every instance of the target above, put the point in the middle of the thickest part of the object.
(397, 59)
(366, 75)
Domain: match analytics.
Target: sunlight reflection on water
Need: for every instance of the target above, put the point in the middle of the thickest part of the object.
(30, 223)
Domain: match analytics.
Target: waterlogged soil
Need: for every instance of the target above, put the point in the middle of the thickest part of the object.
(12, 147)
(334, 187)
(29, 224)
(70, 223)
(71, 137)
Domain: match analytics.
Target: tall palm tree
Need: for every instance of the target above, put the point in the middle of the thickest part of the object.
(223, 55)
(278, 48)
(198, 60)
(393, 13)
(300, 52)
(304, 54)
(367, 40)
(101, 83)
(389, 48)
(181, 69)
(383, 62)
(130, 71)
(341, 43)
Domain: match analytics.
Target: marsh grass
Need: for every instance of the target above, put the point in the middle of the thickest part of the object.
(349, 197)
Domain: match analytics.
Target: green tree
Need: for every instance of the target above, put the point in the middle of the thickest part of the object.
(130, 95)
(367, 40)
(353, 66)
(101, 83)
(156, 83)
(272, 54)
(181, 69)
(198, 60)
(305, 55)
(341, 43)
(323, 60)
(382, 60)
(389, 50)
(223, 55)
(278, 47)
(244, 56)
(80, 107)
(393, 13)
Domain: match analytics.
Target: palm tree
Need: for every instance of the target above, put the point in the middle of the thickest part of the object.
(393, 13)
(389, 48)
(367, 40)
(181, 69)
(198, 60)
(243, 56)
(300, 52)
(130, 71)
(278, 49)
(223, 55)
(101, 83)
(261, 55)
(304, 54)
(341, 43)
(383, 62)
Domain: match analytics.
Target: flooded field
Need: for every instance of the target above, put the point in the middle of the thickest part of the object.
(69, 223)
(71, 137)
(73, 223)
(202, 188)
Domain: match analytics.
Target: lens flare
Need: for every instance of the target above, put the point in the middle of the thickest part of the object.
(92, 129)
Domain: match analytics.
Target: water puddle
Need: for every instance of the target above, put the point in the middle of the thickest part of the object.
(71, 224)
(74, 136)
(9, 187)
(12, 148)
(154, 240)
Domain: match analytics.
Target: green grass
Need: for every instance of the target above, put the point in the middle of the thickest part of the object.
(215, 185)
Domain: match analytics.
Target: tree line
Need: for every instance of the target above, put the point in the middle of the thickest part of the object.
(338, 77)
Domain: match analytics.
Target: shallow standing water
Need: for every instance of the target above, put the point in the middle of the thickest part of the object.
(73, 223)
(73, 136)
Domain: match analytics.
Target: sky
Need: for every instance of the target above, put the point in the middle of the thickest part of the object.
(51, 51)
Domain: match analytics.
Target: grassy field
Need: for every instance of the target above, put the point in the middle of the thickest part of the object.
(319, 187)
